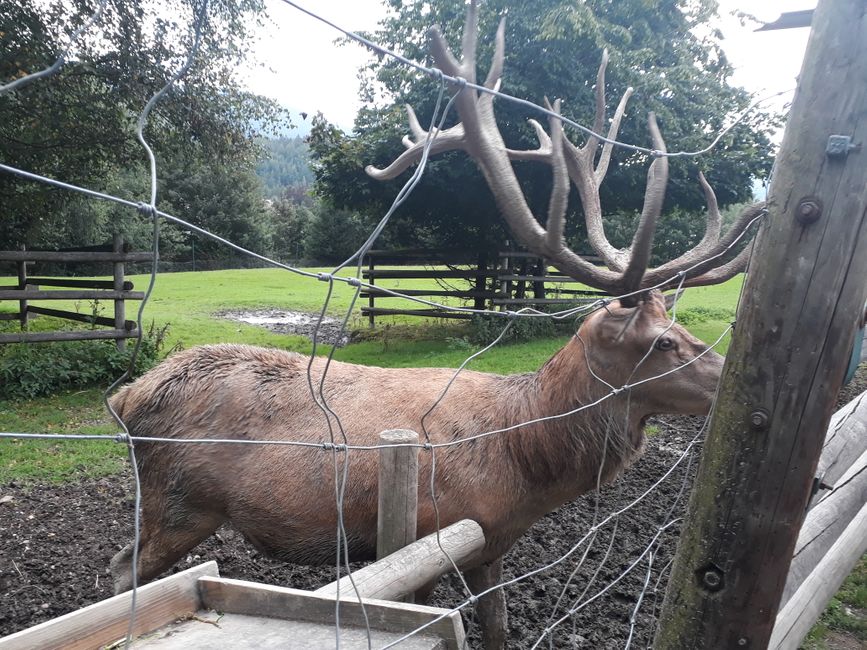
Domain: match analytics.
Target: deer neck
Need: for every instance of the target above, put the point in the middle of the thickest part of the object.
(560, 458)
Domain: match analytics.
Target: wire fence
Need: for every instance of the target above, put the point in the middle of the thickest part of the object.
(340, 442)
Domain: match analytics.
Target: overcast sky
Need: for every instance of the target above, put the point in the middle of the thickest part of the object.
(307, 72)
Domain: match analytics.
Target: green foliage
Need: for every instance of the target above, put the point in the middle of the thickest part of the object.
(79, 125)
(285, 169)
(694, 315)
(333, 234)
(553, 49)
(30, 370)
(485, 329)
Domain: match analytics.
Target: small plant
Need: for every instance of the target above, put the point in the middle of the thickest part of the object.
(30, 370)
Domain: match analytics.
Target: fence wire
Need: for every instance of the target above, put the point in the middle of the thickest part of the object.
(336, 441)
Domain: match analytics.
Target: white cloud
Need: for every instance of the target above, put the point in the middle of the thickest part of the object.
(307, 72)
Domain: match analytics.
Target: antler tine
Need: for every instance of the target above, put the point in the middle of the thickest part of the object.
(654, 195)
(713, 267)
(496, 70)
(560, 191)
(468, 43)
(607, 148)
(414, 126)
(599, 118)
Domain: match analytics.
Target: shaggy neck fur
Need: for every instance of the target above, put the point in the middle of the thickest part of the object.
(562, 457)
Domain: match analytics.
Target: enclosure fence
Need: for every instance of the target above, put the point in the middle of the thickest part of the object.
(336, 441)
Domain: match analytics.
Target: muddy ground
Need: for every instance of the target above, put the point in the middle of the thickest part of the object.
(56, 543)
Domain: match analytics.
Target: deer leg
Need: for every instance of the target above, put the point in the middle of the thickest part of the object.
(162, 543)
(491, 609)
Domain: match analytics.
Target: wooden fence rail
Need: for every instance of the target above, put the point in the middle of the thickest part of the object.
(28, 289)
(518, 279)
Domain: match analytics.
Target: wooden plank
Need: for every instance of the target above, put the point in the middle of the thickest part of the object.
(241, 597)
(224, 630)
(58, 256)
(802, 300)
(28, 294)
(9, 315)
(430, 313)
(104, 622)
(845, 442)
(814, 594)
(825, 522)
(128, 325)
(77, 335)
(415, 274)
(77, 284)
(543, 301)
(380, 293)
(397, 492)
(412, 567)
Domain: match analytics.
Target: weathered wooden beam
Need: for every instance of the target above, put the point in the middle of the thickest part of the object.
(412, 567)
(803, 299)
(77, 284)
(60, 294)
(58, 256)
(826, 522)
(118, 285)
(845, 441)
(127, 325)
(398, 491)
(809, 601)
(78, 335)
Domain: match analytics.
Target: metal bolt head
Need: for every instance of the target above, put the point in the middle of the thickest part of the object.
(742, 641)
(712, 579)
(809, 210)
(759, 420)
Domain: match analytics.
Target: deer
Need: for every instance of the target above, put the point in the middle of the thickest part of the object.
(628, 355)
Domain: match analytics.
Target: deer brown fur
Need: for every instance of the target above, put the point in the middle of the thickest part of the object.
(282, 498)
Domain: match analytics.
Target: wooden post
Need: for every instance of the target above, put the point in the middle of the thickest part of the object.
(22, 285)
(803, 299)
(371, 299)
(398, 491)
(481, 282)
(119, 306)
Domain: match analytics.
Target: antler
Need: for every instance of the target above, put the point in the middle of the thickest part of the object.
(478, 135)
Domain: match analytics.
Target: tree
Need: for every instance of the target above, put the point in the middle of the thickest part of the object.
(79, 125)
(553, 47)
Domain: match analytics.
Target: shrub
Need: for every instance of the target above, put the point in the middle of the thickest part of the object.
(29, 370)
(484, 329)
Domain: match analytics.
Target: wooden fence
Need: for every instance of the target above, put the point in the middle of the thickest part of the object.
(30, 288)
(517, 279)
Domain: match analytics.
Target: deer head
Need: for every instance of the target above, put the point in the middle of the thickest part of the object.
(477, 134)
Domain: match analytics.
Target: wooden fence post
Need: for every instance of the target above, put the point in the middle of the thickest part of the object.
(22, 285)
(119, 305)
(803, 299)
(397, 516)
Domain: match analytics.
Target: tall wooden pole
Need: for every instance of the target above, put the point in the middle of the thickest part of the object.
(802, 300)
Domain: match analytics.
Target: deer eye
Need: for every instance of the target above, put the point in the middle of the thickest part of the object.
(664, 344)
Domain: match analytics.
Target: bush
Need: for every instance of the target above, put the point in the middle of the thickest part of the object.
(29, 370)
(484, 329)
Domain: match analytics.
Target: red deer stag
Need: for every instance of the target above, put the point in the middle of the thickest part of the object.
(282, 497)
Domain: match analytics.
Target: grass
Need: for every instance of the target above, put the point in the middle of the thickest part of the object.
(845, 614)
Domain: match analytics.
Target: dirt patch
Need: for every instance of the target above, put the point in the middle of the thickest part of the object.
(292, 322)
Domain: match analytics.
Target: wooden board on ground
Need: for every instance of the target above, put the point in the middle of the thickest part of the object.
(198, 609)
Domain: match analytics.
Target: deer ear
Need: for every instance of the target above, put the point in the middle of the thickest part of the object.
(672, 298)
